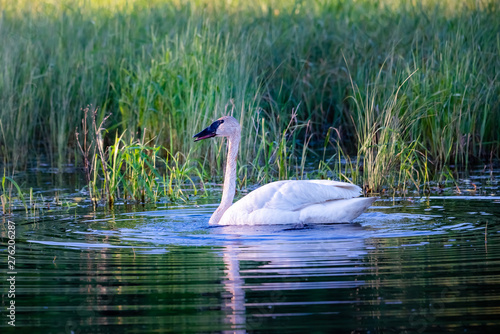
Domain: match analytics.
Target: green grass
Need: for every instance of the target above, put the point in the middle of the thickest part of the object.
(131, 171)
(8, 200)
(410, 88)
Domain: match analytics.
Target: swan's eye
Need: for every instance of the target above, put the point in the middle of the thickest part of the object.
(215, 125)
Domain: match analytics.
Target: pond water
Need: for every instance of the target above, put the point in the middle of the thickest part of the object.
(414, 265)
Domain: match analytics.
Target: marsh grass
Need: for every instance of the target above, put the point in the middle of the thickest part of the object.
(8, 200)
(290, 71)
(383, 137)
(131, 170)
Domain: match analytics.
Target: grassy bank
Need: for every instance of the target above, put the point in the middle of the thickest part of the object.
(413, 88)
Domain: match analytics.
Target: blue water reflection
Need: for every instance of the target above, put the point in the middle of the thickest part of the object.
(404, 266)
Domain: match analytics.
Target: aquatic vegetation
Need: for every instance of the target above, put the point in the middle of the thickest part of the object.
(383, 137)
(7, 198)
(290, 71)
(130, 170)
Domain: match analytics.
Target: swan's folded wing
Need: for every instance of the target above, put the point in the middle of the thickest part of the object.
(295, 195)
(282, 201)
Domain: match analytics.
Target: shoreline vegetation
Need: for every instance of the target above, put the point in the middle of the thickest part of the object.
(386, 94)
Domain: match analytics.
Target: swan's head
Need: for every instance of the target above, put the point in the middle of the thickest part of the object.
(226, 126)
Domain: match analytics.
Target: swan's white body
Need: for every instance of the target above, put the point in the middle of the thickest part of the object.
(281, 202)
(285, 202)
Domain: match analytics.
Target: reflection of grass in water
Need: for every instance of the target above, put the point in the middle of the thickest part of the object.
(164, 70)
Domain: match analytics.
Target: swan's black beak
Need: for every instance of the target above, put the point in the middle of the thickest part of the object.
(209, 132)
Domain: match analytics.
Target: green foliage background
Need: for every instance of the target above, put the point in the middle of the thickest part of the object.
(419, 79)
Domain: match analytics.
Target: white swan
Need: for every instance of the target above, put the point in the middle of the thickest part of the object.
(281, 202)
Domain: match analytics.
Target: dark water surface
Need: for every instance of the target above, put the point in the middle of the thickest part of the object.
(407, 266)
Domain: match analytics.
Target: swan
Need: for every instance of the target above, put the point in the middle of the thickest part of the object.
(280, 202)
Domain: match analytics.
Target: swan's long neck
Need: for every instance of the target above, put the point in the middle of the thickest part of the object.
(229, 188)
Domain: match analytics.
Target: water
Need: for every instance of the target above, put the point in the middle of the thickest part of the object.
(404, 266)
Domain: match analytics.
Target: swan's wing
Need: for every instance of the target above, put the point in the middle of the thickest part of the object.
(294, 195)
(285, 202)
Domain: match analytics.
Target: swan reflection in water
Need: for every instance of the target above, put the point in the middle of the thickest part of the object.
(295, 259)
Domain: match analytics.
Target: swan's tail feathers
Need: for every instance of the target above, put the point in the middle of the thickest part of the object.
(336, 211)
